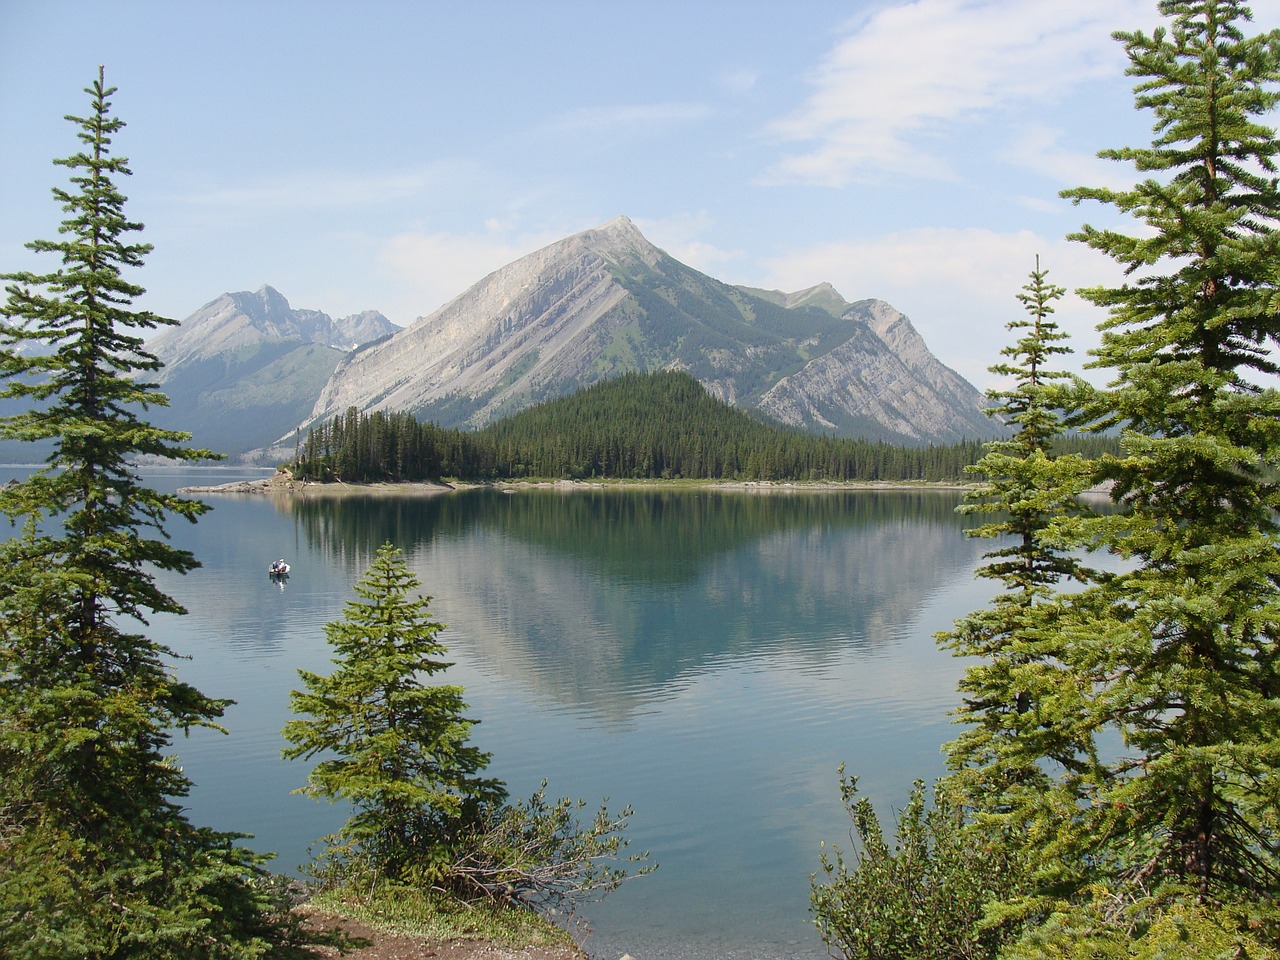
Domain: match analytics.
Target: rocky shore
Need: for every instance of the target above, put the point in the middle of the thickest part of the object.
(366, 943)
(286, 486)
(283, 485)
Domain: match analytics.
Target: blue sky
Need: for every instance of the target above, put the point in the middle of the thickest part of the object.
(386, 155)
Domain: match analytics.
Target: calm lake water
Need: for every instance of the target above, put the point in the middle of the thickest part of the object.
(709, 658)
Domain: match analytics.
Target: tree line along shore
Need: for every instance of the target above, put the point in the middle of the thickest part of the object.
(654, 426)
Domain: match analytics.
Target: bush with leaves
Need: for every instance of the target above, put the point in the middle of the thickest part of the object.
(922, 899)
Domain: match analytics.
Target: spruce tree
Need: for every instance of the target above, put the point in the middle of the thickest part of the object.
(96, 855)
(1180, 652)
(392, 744)
(1022, 702)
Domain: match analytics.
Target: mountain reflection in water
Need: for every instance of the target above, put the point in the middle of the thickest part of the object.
(708, 657)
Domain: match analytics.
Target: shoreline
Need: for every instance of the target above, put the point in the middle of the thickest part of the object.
(288, 487)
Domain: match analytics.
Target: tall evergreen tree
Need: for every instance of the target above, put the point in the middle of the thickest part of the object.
(393, 745)
(1179, 654)
(1021, 754)
(96, 855)
(1022, 703)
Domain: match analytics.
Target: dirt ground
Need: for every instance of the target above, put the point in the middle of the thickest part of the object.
(368, 944)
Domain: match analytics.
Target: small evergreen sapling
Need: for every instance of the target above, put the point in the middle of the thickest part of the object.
(392, 743)
(395, 746)
(1023, 704)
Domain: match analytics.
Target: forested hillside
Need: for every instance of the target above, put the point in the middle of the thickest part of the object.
(637, 426)
(666, 425)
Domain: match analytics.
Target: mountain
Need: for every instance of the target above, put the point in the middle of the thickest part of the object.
(245, 369)
(860, 388)
(607, 301)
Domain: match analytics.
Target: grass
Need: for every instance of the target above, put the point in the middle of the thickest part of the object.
(418, 913)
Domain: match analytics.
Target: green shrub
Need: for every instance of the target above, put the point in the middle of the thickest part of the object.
(922, 899)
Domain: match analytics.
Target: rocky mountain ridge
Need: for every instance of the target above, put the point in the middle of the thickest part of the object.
(246, 368)
(859, 388)
(235, 320)
(606, 301)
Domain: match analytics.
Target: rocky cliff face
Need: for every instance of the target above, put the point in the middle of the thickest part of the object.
(246, 368)
(235, 321)
(607, 301)
(882, 380)
(537, 323)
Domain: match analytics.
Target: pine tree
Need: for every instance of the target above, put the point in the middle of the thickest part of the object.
(96, 855)
(1021, 701)
(1021, 756)
(393, 745)
(1180, 652)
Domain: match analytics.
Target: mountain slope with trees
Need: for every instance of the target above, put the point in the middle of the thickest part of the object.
(665, 425)
(636, 426)
(606, 301)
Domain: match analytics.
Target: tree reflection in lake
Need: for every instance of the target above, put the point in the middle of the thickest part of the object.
(708, 657)
(604, 598)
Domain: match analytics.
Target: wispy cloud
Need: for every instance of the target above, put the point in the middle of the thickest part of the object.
(629, 118)
(1038, 147)
(894, 87)
(317, 190)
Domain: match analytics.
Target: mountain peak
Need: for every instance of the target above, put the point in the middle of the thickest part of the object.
(616, 240)
(607, 301)
(620, 222)
(266, 305)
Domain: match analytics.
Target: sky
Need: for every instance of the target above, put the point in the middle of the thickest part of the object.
(388, 154)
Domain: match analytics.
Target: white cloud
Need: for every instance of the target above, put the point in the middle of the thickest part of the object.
(903, 77)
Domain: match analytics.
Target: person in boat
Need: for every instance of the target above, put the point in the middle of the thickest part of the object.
(279, 566)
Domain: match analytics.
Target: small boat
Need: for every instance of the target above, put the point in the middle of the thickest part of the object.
(278, 570)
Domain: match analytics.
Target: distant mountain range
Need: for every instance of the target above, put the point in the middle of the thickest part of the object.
(245, 369)
(247, 372)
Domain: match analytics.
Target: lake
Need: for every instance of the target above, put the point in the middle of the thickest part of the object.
(709, 658)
